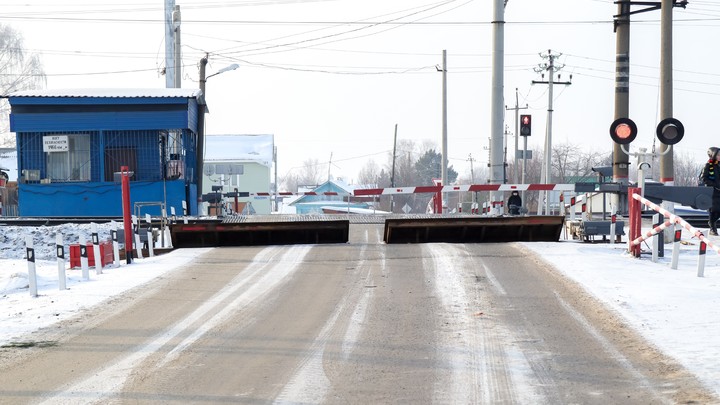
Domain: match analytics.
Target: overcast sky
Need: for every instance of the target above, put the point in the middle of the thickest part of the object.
(335, 76)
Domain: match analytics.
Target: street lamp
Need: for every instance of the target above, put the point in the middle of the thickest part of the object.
(201, 122)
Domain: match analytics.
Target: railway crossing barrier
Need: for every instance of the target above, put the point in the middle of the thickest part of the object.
(672, 220)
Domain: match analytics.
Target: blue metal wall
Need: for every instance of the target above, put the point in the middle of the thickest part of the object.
(96, 199)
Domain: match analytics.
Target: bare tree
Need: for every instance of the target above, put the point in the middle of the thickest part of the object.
(20, 71)
(369, 174)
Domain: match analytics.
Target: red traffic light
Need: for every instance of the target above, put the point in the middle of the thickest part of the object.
(525, 125)
(623, 131)
(670, 131)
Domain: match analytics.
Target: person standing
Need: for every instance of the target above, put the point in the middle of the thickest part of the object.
(711, 177)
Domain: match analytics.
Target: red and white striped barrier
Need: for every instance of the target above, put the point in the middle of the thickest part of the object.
(464, 188)
(674, 219)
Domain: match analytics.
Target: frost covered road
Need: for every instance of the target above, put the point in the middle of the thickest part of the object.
(358, 323)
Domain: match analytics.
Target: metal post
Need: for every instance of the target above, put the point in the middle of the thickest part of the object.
(136, 235)
(148, 219)
(701, 259)
(116, 247)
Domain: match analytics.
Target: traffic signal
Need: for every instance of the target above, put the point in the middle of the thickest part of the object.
(670, 131)
(623, 131)
(525, 125)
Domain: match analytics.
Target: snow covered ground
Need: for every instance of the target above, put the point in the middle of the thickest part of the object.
(675, 310)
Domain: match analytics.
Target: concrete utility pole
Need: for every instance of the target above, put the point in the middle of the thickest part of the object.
(551, 68)
(517, 132)
(169, 43)
(444, 160)
(667, 174)
(392, 175)
(178, 56)
(622, 98)
(496, 105)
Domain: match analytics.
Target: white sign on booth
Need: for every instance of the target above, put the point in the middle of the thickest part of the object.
(56, 143)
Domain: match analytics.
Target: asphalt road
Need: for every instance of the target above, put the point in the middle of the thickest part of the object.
(362, 322)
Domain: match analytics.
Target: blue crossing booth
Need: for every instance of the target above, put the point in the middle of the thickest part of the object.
(71, 145)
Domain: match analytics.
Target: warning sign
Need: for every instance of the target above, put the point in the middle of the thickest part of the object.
(55, 143)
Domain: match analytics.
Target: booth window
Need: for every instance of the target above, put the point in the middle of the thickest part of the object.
(74, 164)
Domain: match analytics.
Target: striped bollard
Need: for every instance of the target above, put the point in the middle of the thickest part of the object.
(676, 248)
(32, 275)
(84, 258)
(60, 250)
(613, 220)
(96, 248)
(701, 259)
(185, 213)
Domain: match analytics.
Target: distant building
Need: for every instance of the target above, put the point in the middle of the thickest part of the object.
(333, 196)
(241, 163)
(71, 145)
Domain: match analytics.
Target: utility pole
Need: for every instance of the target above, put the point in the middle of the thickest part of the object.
(178, 55)
(392, 175)
(496, 104)
(622, 98)
(551, 68)
(169, 42)
(202, 106)
(444, 160)
(275, 199)
(622, 83)
(517, 131)
(473, 196)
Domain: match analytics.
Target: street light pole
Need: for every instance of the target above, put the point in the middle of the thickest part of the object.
(202, 106)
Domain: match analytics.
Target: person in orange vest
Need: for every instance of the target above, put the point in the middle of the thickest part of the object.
(710, 176)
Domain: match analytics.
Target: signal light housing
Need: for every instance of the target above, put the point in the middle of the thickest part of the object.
(525, 125)
(670, 131)
(623, 131)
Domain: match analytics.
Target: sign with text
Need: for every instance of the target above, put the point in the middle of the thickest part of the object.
(55, 143)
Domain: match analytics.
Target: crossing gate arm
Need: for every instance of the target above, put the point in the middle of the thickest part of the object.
(464, 188)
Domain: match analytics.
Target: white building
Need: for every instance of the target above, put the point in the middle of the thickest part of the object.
(241, 163)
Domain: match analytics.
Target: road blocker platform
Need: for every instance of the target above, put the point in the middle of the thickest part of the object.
(472, 229)
(261, 230)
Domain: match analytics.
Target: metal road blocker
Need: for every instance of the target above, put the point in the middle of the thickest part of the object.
(261, 230)
(472, 229)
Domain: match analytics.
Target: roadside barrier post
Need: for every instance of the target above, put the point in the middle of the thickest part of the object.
(184, 207)
(635, 221)
(676, 248)
(701, 259)
(60, 250)
(116, 247)
(84, 258)
(613, 218)
(127, 225)
(138, 246)
(32, 276)
(656, 239)
(96, 248)
(150, 242)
